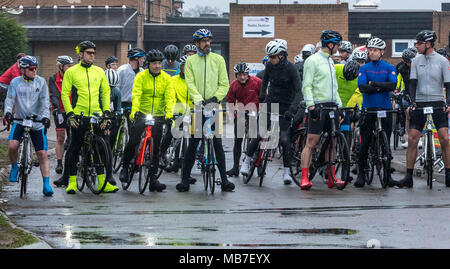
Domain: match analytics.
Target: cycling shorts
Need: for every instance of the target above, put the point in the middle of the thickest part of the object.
(418, 119)
(38, 137)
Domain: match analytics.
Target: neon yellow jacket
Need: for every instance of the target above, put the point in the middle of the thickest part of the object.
(90, 83)
(181, 92)
(355, 99)
(206, 77)
(400, 83)
(153, 95)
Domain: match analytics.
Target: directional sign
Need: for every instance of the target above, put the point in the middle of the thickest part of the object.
(254, 27)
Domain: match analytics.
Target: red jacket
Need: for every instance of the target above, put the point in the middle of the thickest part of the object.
(10, 74)
(248, 93)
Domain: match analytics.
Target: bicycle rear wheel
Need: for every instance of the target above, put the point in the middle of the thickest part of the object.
(254, 163)
(99, 158)
(383, 164)
(339, 157)
(145, 168)
(429, 159)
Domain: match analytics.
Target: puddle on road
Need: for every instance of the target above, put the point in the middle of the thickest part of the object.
(333, 231)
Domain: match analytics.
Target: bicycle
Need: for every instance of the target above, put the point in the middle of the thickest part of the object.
(379, 156)
(171, 154)
(399, 122)
(298, 142)
(24, 162)
(120, 142)
(264, 153)
(429, 151)
(94, 155)
(142, 161)
(208, 160)
(336, 144)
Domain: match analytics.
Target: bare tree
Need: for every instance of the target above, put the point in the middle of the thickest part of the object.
(195, 12)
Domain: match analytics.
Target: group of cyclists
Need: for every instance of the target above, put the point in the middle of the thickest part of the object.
(166, 84)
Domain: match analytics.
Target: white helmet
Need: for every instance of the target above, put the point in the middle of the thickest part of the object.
(359, 54)
(276, 46)
(112, 76)
(346, 46)
(376, 43)
(298, 58)
(309, 48)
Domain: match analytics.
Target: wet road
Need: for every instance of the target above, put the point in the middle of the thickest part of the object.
(272, 216)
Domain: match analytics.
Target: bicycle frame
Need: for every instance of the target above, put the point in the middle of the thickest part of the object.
(147, 136)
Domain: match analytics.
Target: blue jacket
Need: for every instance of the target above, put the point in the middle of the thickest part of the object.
(380, 71)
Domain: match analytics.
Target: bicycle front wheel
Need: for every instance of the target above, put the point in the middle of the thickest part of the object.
(339, 157)
(119, 148)
(295, 165)
(145, 168)
(383, 163)
(211, 167)
(23, 173)
(100, 157)
(429, 159)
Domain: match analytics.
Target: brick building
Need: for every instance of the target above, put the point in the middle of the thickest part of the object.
(298, 24)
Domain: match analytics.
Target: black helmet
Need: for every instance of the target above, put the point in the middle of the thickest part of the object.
(135, 52)
(351, 70)
(85, 45)
(442, 51)
(241, 67)
(408, 54)
(154, 55)
(171, 52)
(111, 59)
(426, 35)
(188, 48)
(330, 36)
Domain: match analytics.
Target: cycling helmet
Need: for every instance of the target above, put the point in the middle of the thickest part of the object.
(330, 36)
(20, 55)
(265, 59)
(135, 52)
(111, 59)
(112, 76)
(27, 61)
(63, 60)
(309, 48)
(85, 45)
(426, 35)
(171, 52)
(377, 43)
(298, 58)
(442, 51)
(183, 59)
(408, 54)
(202, 33)
(189, 47)
(276, 46)
(346, 46)
(351, 70)
(154, 55)
(359, 55)
(241, 67)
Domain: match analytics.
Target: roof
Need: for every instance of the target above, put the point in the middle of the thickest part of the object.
(66, 24)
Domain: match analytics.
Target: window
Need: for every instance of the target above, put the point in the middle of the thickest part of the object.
(398, 45)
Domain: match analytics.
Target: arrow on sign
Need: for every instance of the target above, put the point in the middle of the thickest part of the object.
(262, 33)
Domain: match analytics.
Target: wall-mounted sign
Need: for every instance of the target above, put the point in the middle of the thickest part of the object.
(254, 27)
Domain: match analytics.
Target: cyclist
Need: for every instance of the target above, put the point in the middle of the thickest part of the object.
(112, 62)
(345, 52)
(28, 96)
(189, 50)
(376, 81)
(443, 52)
(285, 89)
(207, 81)
(127, 74)
(243, 90)
(55, 85)
(307, 51)
(403, 70)
(260, 74)
(319, 87)
(430, 73)
(92, 86)
(170, 65)
(13, 71)
(183, 106)
(153, 94)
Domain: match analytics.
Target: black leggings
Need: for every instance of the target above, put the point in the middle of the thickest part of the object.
(284, 140)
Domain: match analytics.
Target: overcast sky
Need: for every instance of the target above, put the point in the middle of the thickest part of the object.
(383, 4)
